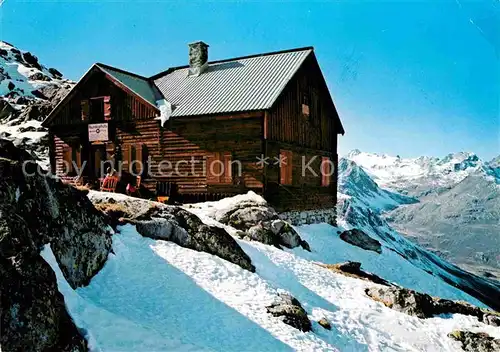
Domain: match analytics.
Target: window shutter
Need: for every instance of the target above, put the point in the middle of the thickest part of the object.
(228, 175)
(85, 109)
(67, 157)
(126, 157)
(107, 108)
(325, 171)
(289, 166)
(138, 157)
(79, 158)
(212, 168)
(286, 167)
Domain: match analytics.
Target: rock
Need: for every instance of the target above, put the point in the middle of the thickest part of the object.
(31, 60)
(350, 267)
(353, 269)
(264, 235)
(403, 300)
(491, 319)
(246, 217)
(33, 314)
(325, 324)
(290, 309)
(6, 109)
(424, 306)
(261, 223)
(476, 342)
(288, 236)
(360, 239)
(11, 86)
(3, 52)
(37, 93)
(21, 100)
(175, 224)
(27, 129)
(39, 76)
(277, 225)
(55, 73)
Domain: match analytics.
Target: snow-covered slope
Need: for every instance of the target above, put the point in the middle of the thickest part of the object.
(156, 295)
(28, 91)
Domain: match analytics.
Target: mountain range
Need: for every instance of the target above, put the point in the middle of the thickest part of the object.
(456, 212)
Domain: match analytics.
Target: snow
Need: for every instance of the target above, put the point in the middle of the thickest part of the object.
(395, 172)
(156, 295)
(166, 110)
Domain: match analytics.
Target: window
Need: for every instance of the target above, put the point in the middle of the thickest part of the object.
(72, 157)
(219, 168)
(132, 158)
(286, 167)
(96, 109)
(305, 105)
(326, 171)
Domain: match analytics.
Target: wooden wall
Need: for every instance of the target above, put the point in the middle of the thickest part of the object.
(314, 135)
(195, 137)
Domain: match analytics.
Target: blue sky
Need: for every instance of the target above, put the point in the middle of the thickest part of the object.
(408, 78)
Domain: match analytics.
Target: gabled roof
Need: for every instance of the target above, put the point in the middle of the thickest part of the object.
(138, 84)
(240, 84)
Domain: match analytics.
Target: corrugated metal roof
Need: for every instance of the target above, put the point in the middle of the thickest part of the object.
(252, 83)
(138, 85)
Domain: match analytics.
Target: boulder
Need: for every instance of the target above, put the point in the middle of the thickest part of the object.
(362, 240)
(476, 342)
(31, 60)
(261, 223)
(39, 76)
(55, 73)
(6, 109)
(171, 223)
(291, 311)
(11, 86)
(325, 323)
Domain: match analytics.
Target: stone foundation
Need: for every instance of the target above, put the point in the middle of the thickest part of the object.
(306, 217)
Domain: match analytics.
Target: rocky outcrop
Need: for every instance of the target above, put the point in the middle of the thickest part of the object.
(362, 240)
(36, 210)
(33, 315)
(171, 223)
(353, 269)
(260, 222)
(476, 342)
(424, 306)
(291, 311)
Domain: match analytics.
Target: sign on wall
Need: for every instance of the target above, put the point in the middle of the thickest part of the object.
(98, 132)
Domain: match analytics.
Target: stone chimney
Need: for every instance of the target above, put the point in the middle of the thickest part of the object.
(198, 58)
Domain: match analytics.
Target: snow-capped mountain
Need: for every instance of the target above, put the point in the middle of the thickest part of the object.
(420, 176)
(28, 92)
(355, 182)
(458, 209)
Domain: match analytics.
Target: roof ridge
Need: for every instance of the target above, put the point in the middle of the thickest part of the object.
(122, 71)
(171, 69)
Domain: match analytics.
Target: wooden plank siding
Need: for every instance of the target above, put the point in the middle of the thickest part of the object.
(195, 137)
(315, 134)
